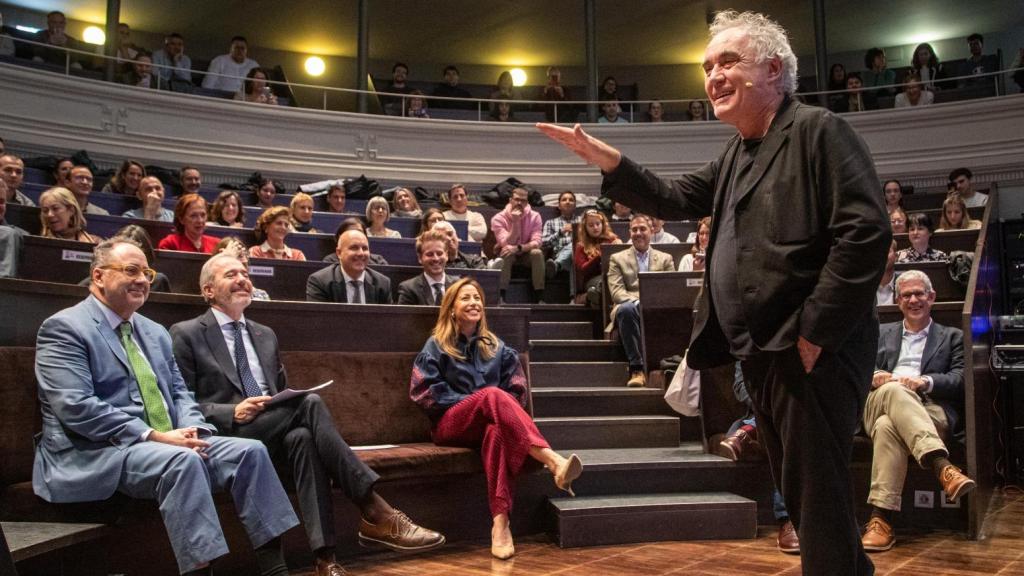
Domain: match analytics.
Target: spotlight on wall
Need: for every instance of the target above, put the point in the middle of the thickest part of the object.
(518, 76)
(315, 66)
(94, 35)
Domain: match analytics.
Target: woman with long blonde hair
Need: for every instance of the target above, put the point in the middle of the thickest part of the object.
(592, 232)
(955, 215)
(62, 217)
(473, 388)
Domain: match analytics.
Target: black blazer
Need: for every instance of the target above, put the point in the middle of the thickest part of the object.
(811, 233)
(207, 367)
(942, 360)
(328, 285)
(417, 292)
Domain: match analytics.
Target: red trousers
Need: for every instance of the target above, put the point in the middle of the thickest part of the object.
(493, 421)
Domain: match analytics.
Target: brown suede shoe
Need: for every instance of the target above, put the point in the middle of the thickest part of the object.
(329, 569)
(637, 379)
(878, 535)
(788, 541)
(955, 483)
(398, 533)
(740, 445)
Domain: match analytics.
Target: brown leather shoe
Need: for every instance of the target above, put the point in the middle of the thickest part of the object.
(955, 483)
(329, 569)
(399, 533)
(740, 445)
(878, 535)
(788, 541)
(637, 379)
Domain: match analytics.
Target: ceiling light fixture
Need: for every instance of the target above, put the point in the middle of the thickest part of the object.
(518, 76)
(315, 66)
(94, 35)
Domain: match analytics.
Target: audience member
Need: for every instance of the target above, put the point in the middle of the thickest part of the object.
(126, 180)
(151, 194)
(256, 88)
(919, 230)
(336, 198)
(272, 227)
(655, 112)
(189, 225)
(695, 260)
(592, 231)
(913, 93)
(300, 433)
(173, 65)
(191, 180)
(395, 105)
(624, 287)
(227, 70)
(55, 34)
(415, 105)
(227, 210)
(836, 82)
(876, 73)
(553, 91)
(302, 213)
(406, 205)
(926, 65)
(960, 182)
(621, 212)
(428, 289)
(955, 215)
(266, 192)
(138, 234)
(857, 100)
(62, 217)
(473, 388)
(609, 89)
(914, 406)
(12, 171)
(429, 218)
(353, 224)
(887, 285)
(517, 241)
(502, 112)
(62, 173)
(556, 235)
(611, 113)
(234, 247)
(126, 50)
(11, 238)
(136, 427)
(504, 90)
(140, 72)
(977, 64)
(81, 187)
(458, 209)
(695, 111)
(898, 220)
(457, 258)
(377, 214)
(659, 235)
(450, 89)
(893, 191)
(349, 280)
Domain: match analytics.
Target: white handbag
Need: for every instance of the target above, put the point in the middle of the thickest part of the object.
(683, 393)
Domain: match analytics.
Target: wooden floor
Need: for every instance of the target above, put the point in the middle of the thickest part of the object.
(1001, 553)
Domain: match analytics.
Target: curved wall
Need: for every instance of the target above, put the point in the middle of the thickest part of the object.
(42, 112)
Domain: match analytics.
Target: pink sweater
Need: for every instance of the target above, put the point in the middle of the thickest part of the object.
(509, 232)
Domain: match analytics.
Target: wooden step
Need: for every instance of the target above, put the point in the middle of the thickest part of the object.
(561, 330)
(577, 374)
(599, 401)
(580, 432)
(603, 520)
(576, 351)
(560, 312)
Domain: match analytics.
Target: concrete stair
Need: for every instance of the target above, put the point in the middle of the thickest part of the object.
(599, 401)
(576, 351)
(561, 330)
(577, 374)
(580, 432)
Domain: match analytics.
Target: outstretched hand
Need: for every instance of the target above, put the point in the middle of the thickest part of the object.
(592, 150)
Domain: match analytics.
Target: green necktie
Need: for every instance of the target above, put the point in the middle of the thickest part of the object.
(156, 413)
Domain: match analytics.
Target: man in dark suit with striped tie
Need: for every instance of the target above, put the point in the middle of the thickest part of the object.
(428, 288)
(233, 366)
(349, 280)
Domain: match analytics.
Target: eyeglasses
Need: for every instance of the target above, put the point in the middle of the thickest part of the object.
(908, 296)
(132, 271)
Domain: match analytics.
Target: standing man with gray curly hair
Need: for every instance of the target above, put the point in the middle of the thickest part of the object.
(794, 258)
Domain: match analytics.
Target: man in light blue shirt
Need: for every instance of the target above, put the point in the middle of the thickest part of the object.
(151, 193)
(171, 61)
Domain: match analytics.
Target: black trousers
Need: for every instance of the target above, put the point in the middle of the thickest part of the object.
(301, 435)
(807, 423)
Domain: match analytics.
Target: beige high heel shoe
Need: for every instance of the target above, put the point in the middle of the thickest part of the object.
(503, 552)
(569, 471)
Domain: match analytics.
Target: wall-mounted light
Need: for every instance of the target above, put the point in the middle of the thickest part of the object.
(315, 66)
(94, 35)
(518, 76)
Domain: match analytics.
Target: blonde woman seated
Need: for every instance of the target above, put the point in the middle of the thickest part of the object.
(919, 230)
(302, 213)
(694, 261)
(271, 229)
(472, 387)
(62, 217)
(406, 205)
(955, 215)
(377, 214)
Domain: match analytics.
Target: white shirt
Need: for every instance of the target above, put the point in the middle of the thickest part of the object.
(643, 261)
(903, 102)
(911, 352)
(477, 223)
(228, 331)
(431, 281)
(664, 238)
(978, 199)
(350, 290)
(224, 66)
(886, 294)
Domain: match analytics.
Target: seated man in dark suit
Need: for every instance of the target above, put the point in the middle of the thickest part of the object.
(915, 404)
(353, 224)
(117, 417)
(428, 288)
(233, 366)
(349, 280)
(624, 286)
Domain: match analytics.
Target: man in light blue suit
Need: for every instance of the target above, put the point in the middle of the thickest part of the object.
(117, 416)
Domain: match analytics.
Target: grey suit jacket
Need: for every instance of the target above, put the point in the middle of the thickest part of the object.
(942, 360)
(416, 291)
(624, 277)
(208, 369)
(92, 408)
(328, 285)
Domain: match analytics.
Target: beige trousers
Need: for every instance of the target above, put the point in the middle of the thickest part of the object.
(900, 424)
(534, 259)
